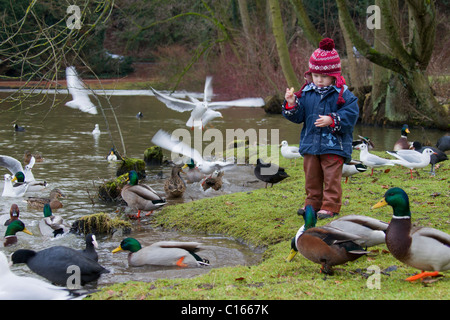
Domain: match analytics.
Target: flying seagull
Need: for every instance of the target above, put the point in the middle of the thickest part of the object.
(80, 97)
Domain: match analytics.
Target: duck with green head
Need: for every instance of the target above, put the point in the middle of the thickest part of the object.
(193, 174)
(139, 196)
(15, 186)
(162, 253)
(51, 225)
(426, 249)
(10, 234)
(402, 142)
(325, 246)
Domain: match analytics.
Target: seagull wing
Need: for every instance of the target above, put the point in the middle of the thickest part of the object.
(245, 102)
(208, 92)
(173, 103)
(13, 165)
(166, 141)
(80, 96)
(410, 156)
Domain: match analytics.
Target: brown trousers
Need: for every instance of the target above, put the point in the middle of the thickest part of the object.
(323, 174)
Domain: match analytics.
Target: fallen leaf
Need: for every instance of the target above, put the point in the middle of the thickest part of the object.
(239, 279)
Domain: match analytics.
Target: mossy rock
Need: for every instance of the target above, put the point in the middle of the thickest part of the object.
(273, 104)
(100, 223)
(129, 164)
(153, 156)
(110, 190)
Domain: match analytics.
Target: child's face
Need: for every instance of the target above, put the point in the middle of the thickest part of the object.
(322, 80)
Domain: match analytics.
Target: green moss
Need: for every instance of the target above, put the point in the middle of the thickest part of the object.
(100, 223)
(110, 190)
(153, 155)
(129, 164)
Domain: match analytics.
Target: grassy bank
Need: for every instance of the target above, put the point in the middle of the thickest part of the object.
(267, 218)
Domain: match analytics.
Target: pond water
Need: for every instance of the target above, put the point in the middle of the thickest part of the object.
(75, 161)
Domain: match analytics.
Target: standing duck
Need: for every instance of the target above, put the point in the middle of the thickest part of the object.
(163, 253)
(140, 197)
(352, 168)
(51, 225)
(193, 174)
(423, 248)
(10, 234)
(402, 142)
(175, 185)
(53, 200)
(269, 172)
(325, 246)
(53, 264)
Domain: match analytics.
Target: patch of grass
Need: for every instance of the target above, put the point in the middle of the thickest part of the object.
(267, 218)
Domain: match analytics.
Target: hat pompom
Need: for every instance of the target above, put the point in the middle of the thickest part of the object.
(326, 44)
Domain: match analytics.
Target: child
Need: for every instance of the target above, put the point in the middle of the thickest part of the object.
(328, 111)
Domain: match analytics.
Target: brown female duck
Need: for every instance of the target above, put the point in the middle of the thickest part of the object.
(175, 185)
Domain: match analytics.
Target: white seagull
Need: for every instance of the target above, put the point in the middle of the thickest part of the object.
(166, 141)
(16, 190)
(14, 287)
(371, 160)
(203, 111)
(14, 166)
(96, 132)
(289, 152)
(79, 93)
(412, 159)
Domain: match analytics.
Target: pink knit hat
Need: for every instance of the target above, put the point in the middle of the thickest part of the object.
(325, 60)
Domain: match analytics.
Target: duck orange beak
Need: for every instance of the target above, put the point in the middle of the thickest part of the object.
(119, 248)
(380, 204)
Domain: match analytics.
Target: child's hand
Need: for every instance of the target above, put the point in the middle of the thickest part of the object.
(323, 121)
(289, 96)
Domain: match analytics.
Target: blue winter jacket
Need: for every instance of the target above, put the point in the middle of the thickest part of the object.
(317, 141)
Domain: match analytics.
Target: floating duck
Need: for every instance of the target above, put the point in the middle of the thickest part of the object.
(14, 287)
(175, 185)
(412, 159)
(166, 141)
(18, 128)
(371, 160)
(193, 174)
(23, 175)
(163, 253)
(402, 143)
(140, 197)
(14, 214)
(51, 225)
(269, 172)
(443, 143)
(437, 156)
(28, 155)
(202, 111)
(139, 115)
(96, 132)
(80, 95)
(289, 152)
(423, 248)
(10, 234)
(53, 264)
(325, 246)
(53, 200)
(352, 168)
(214, 181)
(113, 155)
(91, 245)
(370, 231)
(363, 140)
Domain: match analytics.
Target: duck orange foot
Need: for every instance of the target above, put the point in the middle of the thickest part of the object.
(180, 263)
(422, 275)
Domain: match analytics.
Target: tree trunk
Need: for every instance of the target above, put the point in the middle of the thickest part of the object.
(245, 18)
(305, 23)
(282, 48)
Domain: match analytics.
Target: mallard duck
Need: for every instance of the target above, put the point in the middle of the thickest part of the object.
(163, 253)
(214, 181)
(436, 157)
(53, 264)
(364, 140)
(175, 185)
(402, 142)
(423, 248)
(372, 160)
(13, 190)
(113, 155)
(10, 234)
(352, 168)
(140, 197)
(412, 159)
(193, 174)
(370, 231)
(289, 152)
(325, 246)
(13, 287)
(53, 200)
(443, 143)
(14, 214)
(165, 140)
(269, 172)
(51, 225)
(23, 174)
(91, 245)
(28, 155)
